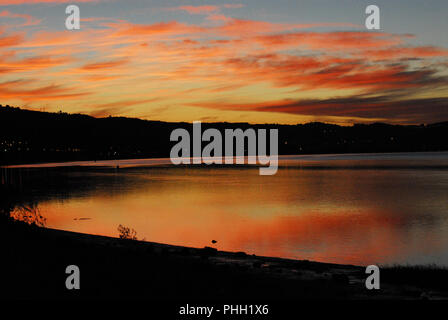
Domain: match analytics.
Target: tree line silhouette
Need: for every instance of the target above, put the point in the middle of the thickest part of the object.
(32, 136)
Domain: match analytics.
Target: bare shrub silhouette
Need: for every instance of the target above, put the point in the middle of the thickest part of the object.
(28, 213)
(126, 233)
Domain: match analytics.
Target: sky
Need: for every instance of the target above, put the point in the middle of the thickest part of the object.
(253, 61)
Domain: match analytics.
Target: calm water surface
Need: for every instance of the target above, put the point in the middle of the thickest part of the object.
(360, 209)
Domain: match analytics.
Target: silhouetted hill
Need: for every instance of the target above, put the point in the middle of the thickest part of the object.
(32, 136)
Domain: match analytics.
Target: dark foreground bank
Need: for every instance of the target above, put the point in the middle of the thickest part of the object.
(34, 261)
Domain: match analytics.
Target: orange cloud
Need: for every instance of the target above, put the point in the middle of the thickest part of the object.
(341, 40)
(30, 64)
(100, 77)
(103, 65)
(205, 9)
(29, 20)
(361, 106)
(233, 5)
(325, 72)
(241, 27)
(166, 28)
(405, 52)
(114, 108)
(14, 89)
(197, 10)
(10, 41)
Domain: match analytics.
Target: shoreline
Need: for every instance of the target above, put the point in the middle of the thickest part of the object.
(158, 161)
(120, 268)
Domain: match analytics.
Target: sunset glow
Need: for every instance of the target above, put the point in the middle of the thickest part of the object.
(224, 61)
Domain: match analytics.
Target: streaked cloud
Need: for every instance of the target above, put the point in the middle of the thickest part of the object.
(215, 65)
(205, 9)
(29, 20)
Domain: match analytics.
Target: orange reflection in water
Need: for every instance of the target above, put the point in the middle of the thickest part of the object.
(342, 216)
(343, 237)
